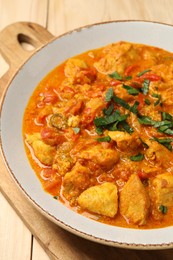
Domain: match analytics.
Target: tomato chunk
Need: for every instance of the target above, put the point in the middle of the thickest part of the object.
(51, 137)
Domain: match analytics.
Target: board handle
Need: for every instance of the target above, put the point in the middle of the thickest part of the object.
(12, 50)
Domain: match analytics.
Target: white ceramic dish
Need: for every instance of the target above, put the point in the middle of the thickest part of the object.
(15, 101)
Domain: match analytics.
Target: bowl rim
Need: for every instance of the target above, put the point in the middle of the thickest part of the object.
(33, 202)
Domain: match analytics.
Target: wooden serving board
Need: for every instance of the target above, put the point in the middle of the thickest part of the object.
(58, 243)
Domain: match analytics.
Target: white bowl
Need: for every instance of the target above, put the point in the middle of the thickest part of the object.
(15, 101)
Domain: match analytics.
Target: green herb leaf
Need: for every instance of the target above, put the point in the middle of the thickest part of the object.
(109, 95)
(103, 121)
(143, 72)
(109, 110)
(128, 77)
(134, 108)
(123, 103)
(115, 116)
(147, 101)
(126, 127)
(168, 131)
(145, 87)
(143, 143)
(163, 209)
(163, 123)
(99, 130)
(146, 120)
(76, 130)
(113, 127)
(131, 90)
(116, 75)
(155, 95)
(104, 139)
(137, 158)
(163, 128)
(55, 197)
(166, 116)
(164, 141)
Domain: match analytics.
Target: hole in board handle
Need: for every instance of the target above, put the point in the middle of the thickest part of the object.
(25, 42)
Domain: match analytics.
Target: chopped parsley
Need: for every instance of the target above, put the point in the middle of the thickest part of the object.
(124, 104)
(113, 120)
(158, 101)
(145, 87)
(166, 125)
(143, 143)
(128, 77)
(126, 127)
(146, 120)
(104, 139)
(109, 110)
(163, 209)
(164, 141)
(131, 90)
(163, 123)
(99, 130)
(76, 130)
(143, 72)
(106, 120)
(147, 101)
(116, 75)
(109, 95)
(134, 108)
(166, 116)
(137, 158)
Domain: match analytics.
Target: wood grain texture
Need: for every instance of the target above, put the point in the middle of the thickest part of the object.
(66, 15)
(38, 252)
(18, 10)
(11, 243)
(60, 16)
(12, 49)
(60, 244)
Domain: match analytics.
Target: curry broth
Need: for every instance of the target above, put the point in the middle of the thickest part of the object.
(73, 144)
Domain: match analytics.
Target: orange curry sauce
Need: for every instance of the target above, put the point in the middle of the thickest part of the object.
(98, 132)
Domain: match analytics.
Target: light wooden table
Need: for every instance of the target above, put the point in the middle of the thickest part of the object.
(59, 16)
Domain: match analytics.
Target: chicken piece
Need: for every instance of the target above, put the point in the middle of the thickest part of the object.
(94, 105)
(134, 201)
(125, 141)
(151, 111)
(101, 199)
(46, 111)
(167, 97)
(76, 181)
(92, 108)
(77, 72)
(63, 162)
(105, 158)
(73, 66)
(73, 121)
(45, 153)
(114, 54)
(164, 71)
(161, 188)
(154, 155)
(133, 121)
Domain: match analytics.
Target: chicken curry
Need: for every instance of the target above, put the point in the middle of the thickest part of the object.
(98, 132)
